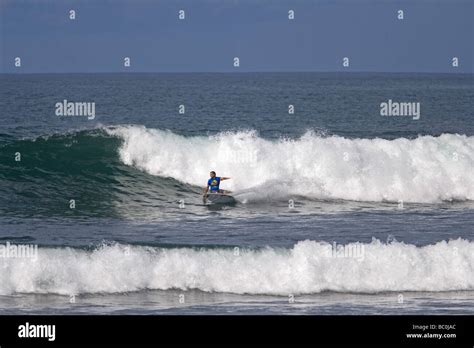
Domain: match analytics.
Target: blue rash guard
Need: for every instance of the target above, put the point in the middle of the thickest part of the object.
(214, 184)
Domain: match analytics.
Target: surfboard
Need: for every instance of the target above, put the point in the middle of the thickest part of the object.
(220, 198)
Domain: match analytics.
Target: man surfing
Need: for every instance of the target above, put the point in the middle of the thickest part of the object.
(213, 184)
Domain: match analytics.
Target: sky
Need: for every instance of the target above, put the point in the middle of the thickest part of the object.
(258, 32)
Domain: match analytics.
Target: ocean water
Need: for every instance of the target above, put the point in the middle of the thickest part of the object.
(339, 210)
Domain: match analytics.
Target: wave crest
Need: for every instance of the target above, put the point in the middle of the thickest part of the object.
(424, 170)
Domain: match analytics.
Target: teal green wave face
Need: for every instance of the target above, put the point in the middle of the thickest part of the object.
(81, 166)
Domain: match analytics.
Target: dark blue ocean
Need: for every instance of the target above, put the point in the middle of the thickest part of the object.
(340, 210)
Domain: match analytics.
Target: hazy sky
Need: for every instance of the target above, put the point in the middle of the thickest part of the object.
(257, 31)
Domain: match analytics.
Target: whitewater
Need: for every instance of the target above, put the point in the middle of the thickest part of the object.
(305, 268)
(426, 169)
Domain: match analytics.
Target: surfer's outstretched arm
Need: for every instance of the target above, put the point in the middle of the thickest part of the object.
(225, 178)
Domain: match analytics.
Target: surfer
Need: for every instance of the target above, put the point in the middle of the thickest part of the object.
(213, 184)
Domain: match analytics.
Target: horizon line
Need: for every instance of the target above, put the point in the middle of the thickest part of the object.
(241, 72)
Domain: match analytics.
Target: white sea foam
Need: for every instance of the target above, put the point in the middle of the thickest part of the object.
(426, 169)
(305, 268)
